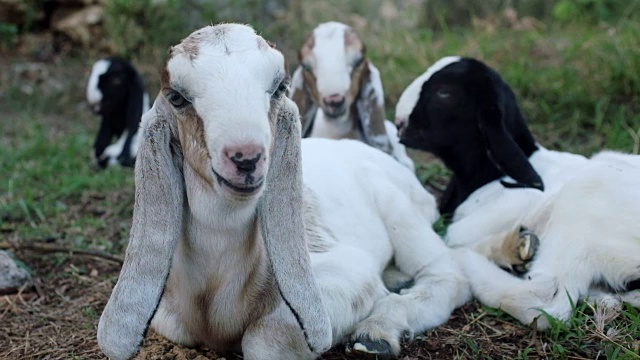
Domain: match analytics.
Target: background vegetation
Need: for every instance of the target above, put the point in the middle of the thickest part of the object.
(575, 65)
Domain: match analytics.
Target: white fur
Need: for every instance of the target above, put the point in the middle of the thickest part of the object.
(493, 208)
(114, 150)
(333, 61)
(411, 94)
(94, 95)
(588, 230)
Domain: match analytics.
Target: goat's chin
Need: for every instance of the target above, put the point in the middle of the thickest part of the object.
(239, 192)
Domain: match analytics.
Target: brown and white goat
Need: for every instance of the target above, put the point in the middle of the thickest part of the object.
(239, 245)
(339, 91)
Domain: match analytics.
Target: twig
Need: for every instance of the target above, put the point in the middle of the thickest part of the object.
(45, 248)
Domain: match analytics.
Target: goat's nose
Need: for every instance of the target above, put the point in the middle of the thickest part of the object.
(245, 157)
(335, 100)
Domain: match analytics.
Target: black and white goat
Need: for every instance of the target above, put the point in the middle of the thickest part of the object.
(505, 185)
(339, 91)
(245, 239)
(116, 91)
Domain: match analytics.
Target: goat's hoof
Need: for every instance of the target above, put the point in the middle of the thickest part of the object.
(526, 249)
(366, 348)
(527, 245)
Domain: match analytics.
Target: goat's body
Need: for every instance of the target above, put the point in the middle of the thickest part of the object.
(220, 282)
(494, 209)
(589, 245)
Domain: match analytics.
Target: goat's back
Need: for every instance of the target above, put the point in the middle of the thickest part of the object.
(364, 181)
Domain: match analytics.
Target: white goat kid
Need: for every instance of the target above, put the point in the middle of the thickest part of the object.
(237, 253)
(339, 91)
(589, 246)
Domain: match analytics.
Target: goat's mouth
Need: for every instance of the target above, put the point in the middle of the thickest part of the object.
(334, 112)
(95, 108)
(240, 189)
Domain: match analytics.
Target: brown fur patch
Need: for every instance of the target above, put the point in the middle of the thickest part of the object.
(307, 48)
(352, 40)
(194, 144)
(508, 254)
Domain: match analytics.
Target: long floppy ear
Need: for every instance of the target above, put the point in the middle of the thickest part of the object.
(301, 95)
(370, 109)
(156, 229)
(502, 149)
(282, 226)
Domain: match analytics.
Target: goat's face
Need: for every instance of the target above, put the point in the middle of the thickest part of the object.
(333, 59)
(225, 84)
(435, 109)
(462, 111)
(108, 85)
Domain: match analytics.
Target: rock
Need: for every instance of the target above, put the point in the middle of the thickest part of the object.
(12, 277)
(77, 22)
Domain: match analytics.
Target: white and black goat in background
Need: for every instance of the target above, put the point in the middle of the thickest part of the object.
(339, 91)
(116, 91)
(583, 212)
(245, 240)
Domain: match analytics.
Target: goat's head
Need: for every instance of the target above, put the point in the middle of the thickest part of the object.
(221, 130)
(336, 76)
(109, 83)
(462, 111)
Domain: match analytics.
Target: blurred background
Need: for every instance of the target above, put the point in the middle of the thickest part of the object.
(575, 65)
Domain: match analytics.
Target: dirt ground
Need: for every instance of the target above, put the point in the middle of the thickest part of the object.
(57, 319)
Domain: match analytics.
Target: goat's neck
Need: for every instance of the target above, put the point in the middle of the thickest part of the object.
(471, 171)
(342, 127)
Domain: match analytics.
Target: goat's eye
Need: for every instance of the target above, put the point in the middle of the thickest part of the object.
(280, 89)
(443, 93)
(358, 62)
(176, 99)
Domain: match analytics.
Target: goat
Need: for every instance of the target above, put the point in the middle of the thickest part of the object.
(245, 238)
(339, 91)
(115, 90)
(462, 111)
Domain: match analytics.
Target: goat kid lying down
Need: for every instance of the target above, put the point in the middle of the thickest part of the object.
(115, 90)
(339, 91)
(589, 247)
(462, 111)
(238, 245)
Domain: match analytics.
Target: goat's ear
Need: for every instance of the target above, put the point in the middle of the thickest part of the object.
(370, 109)
(282, 226)
(156, 229)
(300, 93)
(502, 149)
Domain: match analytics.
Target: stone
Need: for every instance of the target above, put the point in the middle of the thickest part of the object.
(77, 23)
(12, 277)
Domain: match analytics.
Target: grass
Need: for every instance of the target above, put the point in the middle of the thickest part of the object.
(578, 82)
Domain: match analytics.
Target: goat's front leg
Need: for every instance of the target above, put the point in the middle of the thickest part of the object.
(438, 290)
(440, 285)
(276, 336)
